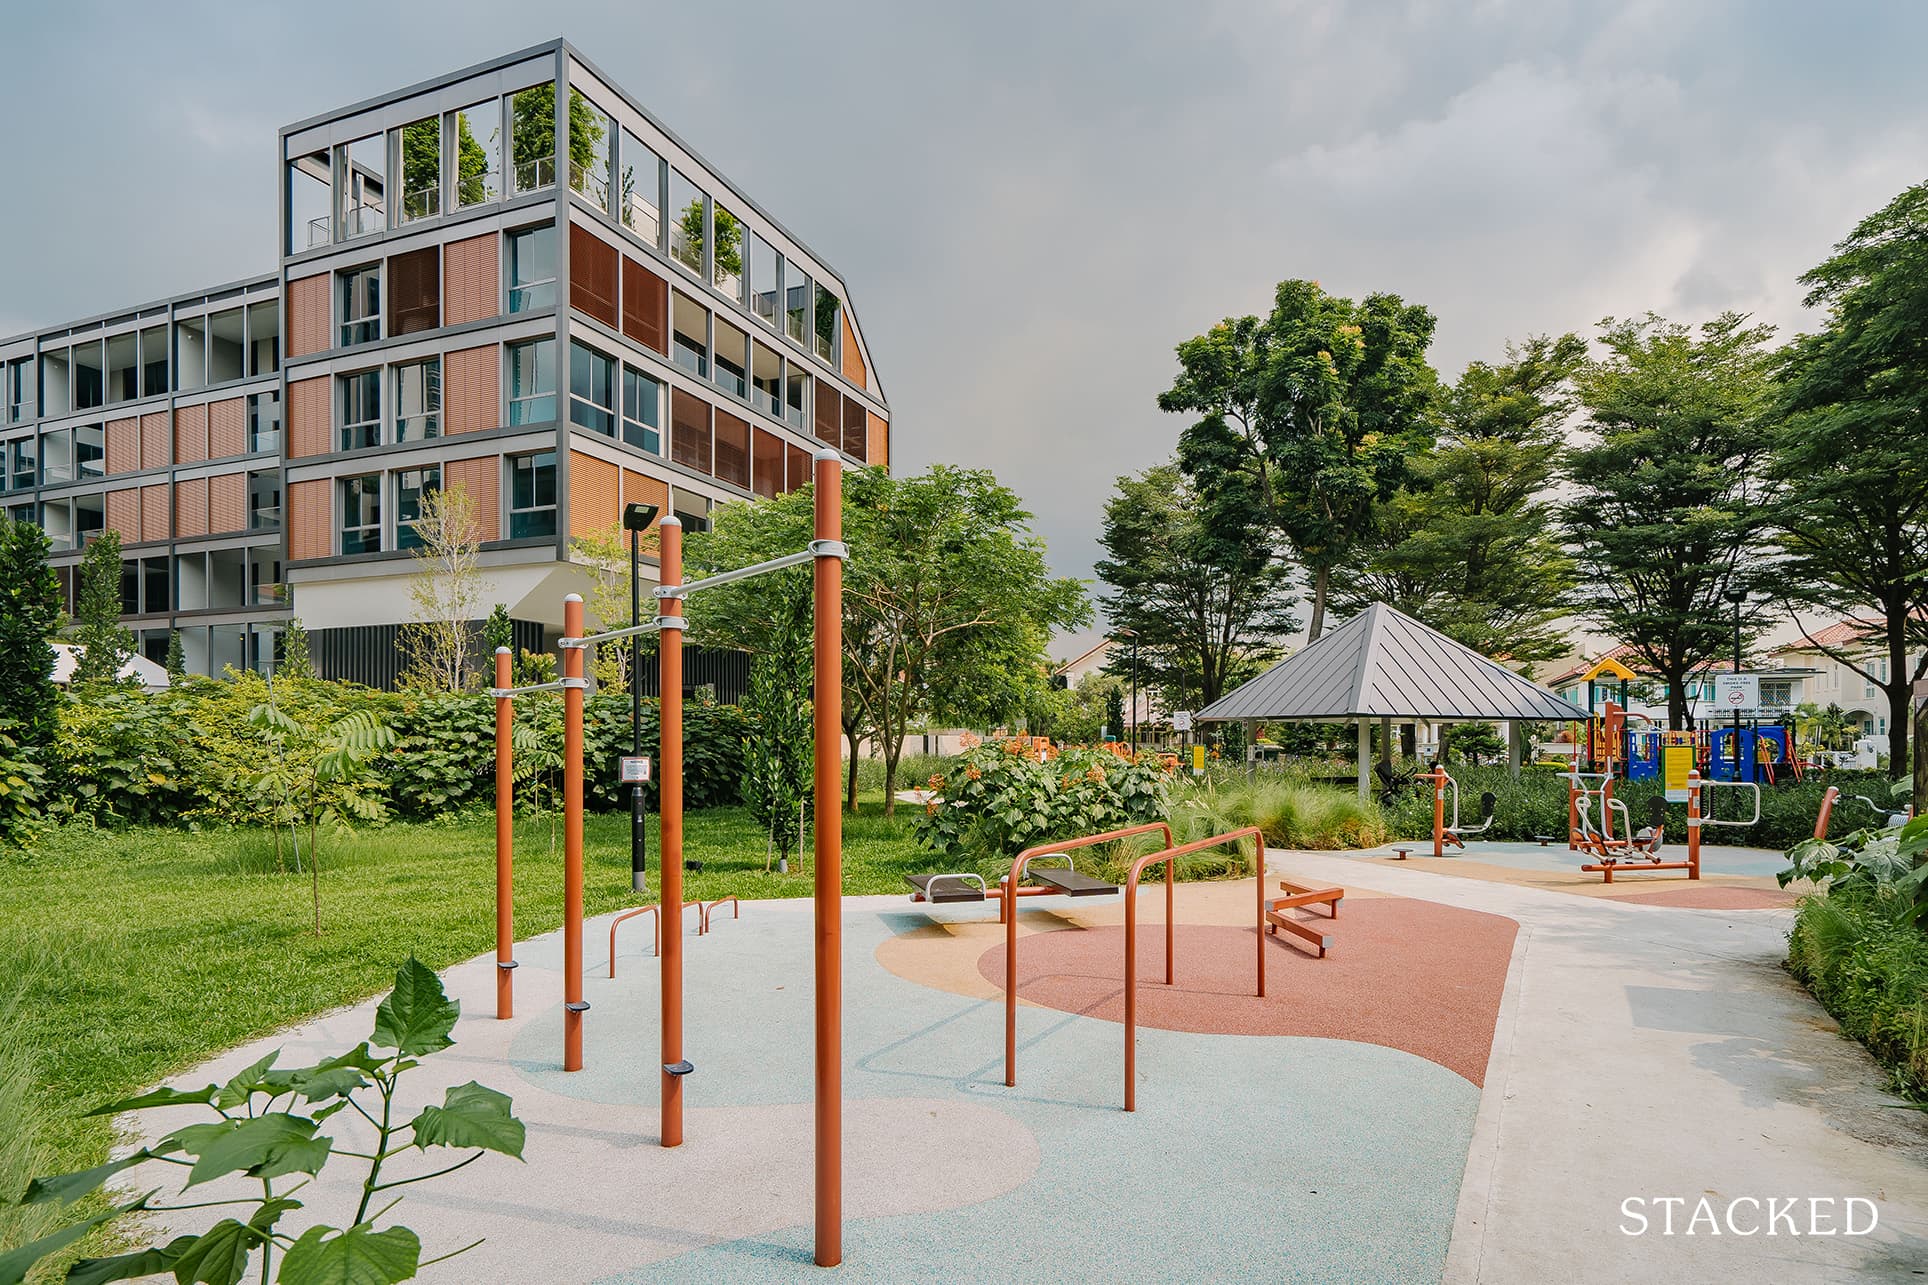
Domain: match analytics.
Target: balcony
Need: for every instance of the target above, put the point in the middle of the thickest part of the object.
(591, 184)
(422, 203)
(534, 175)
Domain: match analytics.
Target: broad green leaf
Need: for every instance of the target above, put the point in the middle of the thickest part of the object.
(15, 1263)
(267, 1146)
(358, 1256)
(337, 1077)
(418, 1015)
(159, 1098)
(125, 1267)
(69, 1187)
(254, 1079)
(471, 1116)
(219, 1255)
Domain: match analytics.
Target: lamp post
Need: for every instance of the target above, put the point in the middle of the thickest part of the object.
(1133, 635)
(636, 520)
(1737, 597)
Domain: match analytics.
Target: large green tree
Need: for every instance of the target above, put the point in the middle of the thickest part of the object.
(1470, 544)
(1664, 511)
(1308, 419)
(1207, 602)
(1850, 457)
(29, 614)
(105, 644)
(948, 603)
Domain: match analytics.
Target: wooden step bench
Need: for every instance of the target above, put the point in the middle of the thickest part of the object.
(1302, 895)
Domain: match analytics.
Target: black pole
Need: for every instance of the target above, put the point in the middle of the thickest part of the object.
(1134, 693)
(638, 843)
(1737, 712)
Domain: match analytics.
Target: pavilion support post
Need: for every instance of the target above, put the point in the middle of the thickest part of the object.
(1251, 748)
(1365, 758)
(1515, 747)
(1385, 741)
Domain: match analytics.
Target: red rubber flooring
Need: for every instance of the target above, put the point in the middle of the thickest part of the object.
(1715, 897)
(1405, 974)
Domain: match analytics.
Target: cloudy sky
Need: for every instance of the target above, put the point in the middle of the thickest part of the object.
(1033, 202)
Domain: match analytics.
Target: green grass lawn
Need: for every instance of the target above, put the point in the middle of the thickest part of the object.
(127, 957)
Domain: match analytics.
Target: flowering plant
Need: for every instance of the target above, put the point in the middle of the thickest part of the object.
(1000, 797)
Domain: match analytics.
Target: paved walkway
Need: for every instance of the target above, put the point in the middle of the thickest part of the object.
(1635, 1050)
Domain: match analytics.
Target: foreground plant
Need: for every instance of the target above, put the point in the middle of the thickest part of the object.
(260, 1134)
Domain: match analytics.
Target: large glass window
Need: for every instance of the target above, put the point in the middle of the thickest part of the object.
(829, 308)
(730, 357)
(264, 499)
(57, 520)
(532, 495)
(532, 139)
(264, 577)
(23, 464)
(361, 514)
(361, 410)
(20, 399)
(592, 390)
(190, 353)
(56, 457)
(532, 382)
(227, 346)
(410, 486)
(361, 305)
(90, 375)
(766, 381)
(589, 150)
(686, 222)
(726, 273)
(532, 268)
(796, 401)
(418, 400)
(642, 189)
(796, 302)
(364, 195)
(264, 421)
(90, 517)
(124, 367)
(763, 278)
(154, 361)
(56, 382)
(478, 141)
(421, 186)
(90, 452)
(264, 338)
(310, 185)
(690, 324)
(642, 411)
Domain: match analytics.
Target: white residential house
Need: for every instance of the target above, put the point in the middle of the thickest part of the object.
(1836, 683)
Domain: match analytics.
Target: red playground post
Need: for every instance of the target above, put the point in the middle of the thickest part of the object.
(573, 1005)
(504, 843)
(828, 853)
(669, 616)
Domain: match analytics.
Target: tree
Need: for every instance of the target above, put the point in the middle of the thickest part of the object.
(1115, 713)
(604, 555)
(1206, 603)
(29, 614)
(105, 644)
(1665, 499)
(1470, 544)
(1078, 715)
(947, 599)
(1307, 419)
(176, 664)
(1850, 456)
(296, 663)
(1474, 740)
(779, 754)
(498, 630)
(445, 590)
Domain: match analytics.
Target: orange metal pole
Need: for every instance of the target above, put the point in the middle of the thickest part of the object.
(1439, 811)
(1827, 811)
(1693, 825)
(1573, 809)
(828, 881)
(573, 1005)
(504, 843)
(669, 654)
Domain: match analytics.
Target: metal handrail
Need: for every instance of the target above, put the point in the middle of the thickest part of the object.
(1735, 785)
(702, 925)
(1010, 914)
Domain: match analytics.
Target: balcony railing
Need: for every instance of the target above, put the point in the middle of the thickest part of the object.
(533, 175)
(361, 220)
(320, 231)
(422, 203)
(591, 184)
(640, 217)
(478, 188)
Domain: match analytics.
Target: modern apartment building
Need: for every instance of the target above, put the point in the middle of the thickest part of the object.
(561, 311)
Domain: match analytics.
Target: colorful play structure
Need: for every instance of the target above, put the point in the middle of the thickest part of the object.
(825, 555)
(1633, 746)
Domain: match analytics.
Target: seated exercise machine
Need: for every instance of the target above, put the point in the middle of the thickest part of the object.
(1454, 835)
(963, 887)
(1641, 853)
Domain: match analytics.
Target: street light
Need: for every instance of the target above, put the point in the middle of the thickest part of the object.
(636, 520)
(1133, 635)
(1737, 597)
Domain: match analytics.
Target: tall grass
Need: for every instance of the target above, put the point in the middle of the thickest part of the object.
(1290, 812)
(913, 771)
(1866, 960)
(25, 1151)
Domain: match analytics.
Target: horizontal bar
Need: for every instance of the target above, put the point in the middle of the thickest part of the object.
(741, 573)
(500, 692)
(590, 640)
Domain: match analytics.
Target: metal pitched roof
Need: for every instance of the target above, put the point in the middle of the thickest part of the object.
(1383, 664)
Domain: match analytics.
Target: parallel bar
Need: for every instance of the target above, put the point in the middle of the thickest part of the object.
(664, 592)
(500, 693)
(669, 658)
(828, 876)
(590, 640)
(572, 696)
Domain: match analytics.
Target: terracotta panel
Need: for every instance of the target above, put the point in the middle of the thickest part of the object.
(732, 449)
(853, 358)
(689, 430)
(228, 428)
(829, 414)
(124, 513)
(645, 307)
(155, 440)
(471, 280)
(414, 291)
(310, 417)
(190, 434)
(592, 275)
(156, 513)
(879, 441)
(640, 488)
(855, 428)
(799, 468)
(123, 445)
(594, 494)
(191, 507)
(310, 520)
(227, 503)
(307, 307)
(766, 465)
(482, 479)
(472, 390)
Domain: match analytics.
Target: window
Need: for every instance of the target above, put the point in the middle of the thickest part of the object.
(410, 486)
(19, 390)
(90, 517)
(796, 301)
(726, 273)
(56, 393)
(478, 133)
(190, 353)
(589, 150)
(532, 382)
(264, 421)
(766, 468)
(227, 346)
(23, 464)
(532, 140)
(827, 311)
(361, 410)
(124, 367)
(264, 577)
(796, 401)
(532, 495)
(642, 189)
(90, 375)
(766, 381)
(763, 279)
(689, 436)
(733, 449)
(154, 362)
(686, 228)
(90, 452)
(690, 344)
(592, 390)
(56, 457)
(361, 514)
(264, 499)
(361, 305)
(364, 192)
(155, 585)
(421, 150)
(532, 268)
(57, 520)
(730, 358)
(415, 291)
(642, 411)
(264, 339)
(418, 401)
(310, 183)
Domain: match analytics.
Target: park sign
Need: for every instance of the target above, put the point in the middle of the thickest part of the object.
(635, 771)
(1182, 721)
(1737, 694)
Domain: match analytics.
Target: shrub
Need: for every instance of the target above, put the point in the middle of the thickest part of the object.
(22, 789)
(997, 799)
(1289, 813)
(1865, 957)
